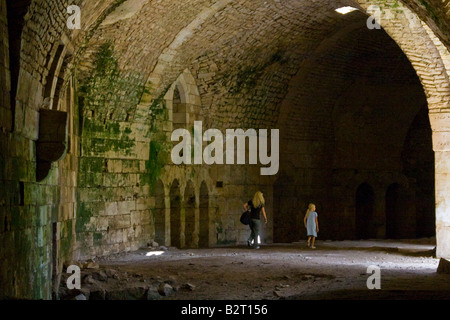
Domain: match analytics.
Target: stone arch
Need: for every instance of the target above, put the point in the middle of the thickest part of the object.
(414, 39)
(175, 214)
(159, 212)
(426, 53)
(204, 218)
(189, 205)
(364, 211)
(429, 58)
(155, 79)
(56, 81)
(52, 80)
(183, 101)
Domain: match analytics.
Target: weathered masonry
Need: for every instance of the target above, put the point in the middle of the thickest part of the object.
(86, 117)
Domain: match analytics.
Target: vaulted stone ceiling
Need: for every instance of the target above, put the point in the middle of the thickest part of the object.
(235, 50)
(256, 63)
(243, 54)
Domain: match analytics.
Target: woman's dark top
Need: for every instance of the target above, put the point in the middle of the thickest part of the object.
(254, 212)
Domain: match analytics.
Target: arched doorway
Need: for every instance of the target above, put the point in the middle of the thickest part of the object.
(364, 209)
(204, 216)
(400, 213)
(159, 213)
(175, 215)
(189, 211)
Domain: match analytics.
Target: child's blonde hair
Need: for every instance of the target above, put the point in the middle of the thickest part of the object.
(310, 206)
(258, 199)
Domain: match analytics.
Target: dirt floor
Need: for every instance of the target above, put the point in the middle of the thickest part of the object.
(334, 270)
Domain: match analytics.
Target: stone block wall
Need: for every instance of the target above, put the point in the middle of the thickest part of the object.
(5, 78)
(37, 218)
(112, 185)
(348, 128)
(113, 202)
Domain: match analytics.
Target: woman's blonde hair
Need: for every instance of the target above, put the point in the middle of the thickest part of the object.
(310, 206)
(258, 199)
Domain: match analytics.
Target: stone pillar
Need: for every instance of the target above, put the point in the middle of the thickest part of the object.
(441, 145)
(442, 175)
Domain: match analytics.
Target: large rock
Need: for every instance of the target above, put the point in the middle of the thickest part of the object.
(133, 293)
(80, 297)
(98, 295)
(172, 281)
(111, 272)
(154, 244)
(153, 294)
(90, 264)
(66, 294)
(88, 279)
(188, 287)
(165, 289)
(100, 275)
(444, 266)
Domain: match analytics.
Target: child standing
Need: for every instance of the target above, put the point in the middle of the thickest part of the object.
(311, 224)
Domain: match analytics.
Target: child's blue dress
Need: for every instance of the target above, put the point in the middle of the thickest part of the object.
(311, 227)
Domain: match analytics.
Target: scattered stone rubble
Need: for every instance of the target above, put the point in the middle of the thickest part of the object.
(107, 283)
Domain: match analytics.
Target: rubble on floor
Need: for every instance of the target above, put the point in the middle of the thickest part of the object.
(106, 283)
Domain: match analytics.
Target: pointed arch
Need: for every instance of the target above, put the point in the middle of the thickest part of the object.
(191, 239)
(204, 219)
(175, 214)
(183, 101)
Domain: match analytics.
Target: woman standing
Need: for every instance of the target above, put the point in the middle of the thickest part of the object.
(256, 206)
(311, 224)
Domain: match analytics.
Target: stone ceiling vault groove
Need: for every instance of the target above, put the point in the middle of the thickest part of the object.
(223, 42)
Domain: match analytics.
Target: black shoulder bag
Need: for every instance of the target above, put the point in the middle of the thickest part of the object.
(246, 217)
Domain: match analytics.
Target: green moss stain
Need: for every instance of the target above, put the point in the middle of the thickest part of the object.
(397, 7)
(158, 158)
(159, 152)
(107, 93)
(431, 11)
(88, 164)
(105, 100)
(93, 30)
(83, 217)
(66, 243)
(158, 109)
(98, 236)
(393, 6)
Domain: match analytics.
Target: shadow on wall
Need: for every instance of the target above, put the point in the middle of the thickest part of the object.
(364, 212)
